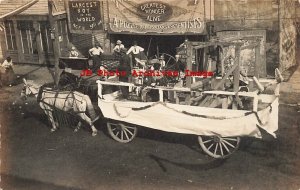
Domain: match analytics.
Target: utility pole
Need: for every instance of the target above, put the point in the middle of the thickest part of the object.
(54, 38)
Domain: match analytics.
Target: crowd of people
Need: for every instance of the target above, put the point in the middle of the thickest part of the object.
(135, 57)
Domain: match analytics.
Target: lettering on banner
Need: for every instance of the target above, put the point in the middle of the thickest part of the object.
(85, 15)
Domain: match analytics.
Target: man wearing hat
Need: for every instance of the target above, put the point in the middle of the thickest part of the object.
(135, 51)
(118, 46)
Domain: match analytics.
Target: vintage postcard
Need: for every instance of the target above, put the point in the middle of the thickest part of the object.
(149, 94)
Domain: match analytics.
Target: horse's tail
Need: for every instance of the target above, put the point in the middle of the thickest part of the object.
(90, 109)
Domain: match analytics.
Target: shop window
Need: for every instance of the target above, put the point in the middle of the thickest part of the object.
(63, 32)
(28, 38)
(10, 35)
(46, 37)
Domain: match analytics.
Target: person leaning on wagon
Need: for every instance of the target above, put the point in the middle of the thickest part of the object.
(73, 52)
(95, 53)
(118, 47)
(7, 72)
(125, 67)
(135, 51)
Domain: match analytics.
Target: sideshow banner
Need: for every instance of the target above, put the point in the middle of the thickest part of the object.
(84, 15)
(247, 56)
(165, 17)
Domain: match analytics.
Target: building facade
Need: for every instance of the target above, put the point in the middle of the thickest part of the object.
(158, 26)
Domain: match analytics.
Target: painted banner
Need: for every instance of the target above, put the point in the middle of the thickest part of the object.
(84, 15)
(164, 17)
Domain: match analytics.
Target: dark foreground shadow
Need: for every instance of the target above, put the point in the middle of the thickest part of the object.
(14, 182)
(193, 167)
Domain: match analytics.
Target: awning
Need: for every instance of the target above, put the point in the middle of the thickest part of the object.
(17, 8)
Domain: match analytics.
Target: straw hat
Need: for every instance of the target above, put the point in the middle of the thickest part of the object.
(119, 42)
(73, 48)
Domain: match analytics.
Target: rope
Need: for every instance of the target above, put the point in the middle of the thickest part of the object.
(118, 113)
(188, 113)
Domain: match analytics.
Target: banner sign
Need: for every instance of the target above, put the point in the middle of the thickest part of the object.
(84, 15)
(163, 17)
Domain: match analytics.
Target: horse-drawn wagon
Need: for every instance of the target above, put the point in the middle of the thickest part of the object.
(219, 115)
(219, 109)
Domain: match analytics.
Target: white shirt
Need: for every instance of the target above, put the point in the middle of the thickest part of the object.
(118, 47)
(96, 51)
(135, 50)
(7, 64)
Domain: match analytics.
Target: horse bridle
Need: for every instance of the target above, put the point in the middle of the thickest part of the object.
(27, 86)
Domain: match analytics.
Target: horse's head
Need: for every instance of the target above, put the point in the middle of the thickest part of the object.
(28, 89)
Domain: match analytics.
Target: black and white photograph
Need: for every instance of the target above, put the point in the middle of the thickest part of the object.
(149, 95)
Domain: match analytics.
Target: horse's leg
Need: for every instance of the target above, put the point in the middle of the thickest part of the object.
(89, 121)
(48, 112)
(78, 126)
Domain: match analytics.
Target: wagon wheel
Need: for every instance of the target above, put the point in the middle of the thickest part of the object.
(219, 147)
(121, 132)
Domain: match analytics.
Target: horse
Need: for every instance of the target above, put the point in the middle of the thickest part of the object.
(49, 100)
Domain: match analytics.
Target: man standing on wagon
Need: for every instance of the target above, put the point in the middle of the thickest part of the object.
(95, 53)
(135, 51)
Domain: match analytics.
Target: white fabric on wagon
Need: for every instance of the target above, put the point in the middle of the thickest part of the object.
(192, 119)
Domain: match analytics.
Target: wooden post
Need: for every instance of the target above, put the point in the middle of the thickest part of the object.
(189, 63)
(18, 42)
(39, 42)
(258, 63)
(236, 72)
(54, 37)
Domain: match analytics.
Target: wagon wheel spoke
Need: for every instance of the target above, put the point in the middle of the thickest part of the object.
(209, 140)
(210, 146)
(121, 132)
(224, 145)
(231, 139)
(127, 137)
(228, 143)
(216, 148)
(122, 137)
(128, 131)
(219, 147)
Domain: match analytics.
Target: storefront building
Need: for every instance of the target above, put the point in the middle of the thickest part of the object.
(26, 32)
(157, 26)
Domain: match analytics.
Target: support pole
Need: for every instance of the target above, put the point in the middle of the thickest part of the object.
(54, 38)
(236, 72)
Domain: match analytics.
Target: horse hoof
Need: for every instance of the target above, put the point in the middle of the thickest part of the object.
(52, 130)
(76, 130)
(94, 133)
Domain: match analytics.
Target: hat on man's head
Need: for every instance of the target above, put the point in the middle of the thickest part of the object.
(73, 48)
(161, 57)
(119, 42)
